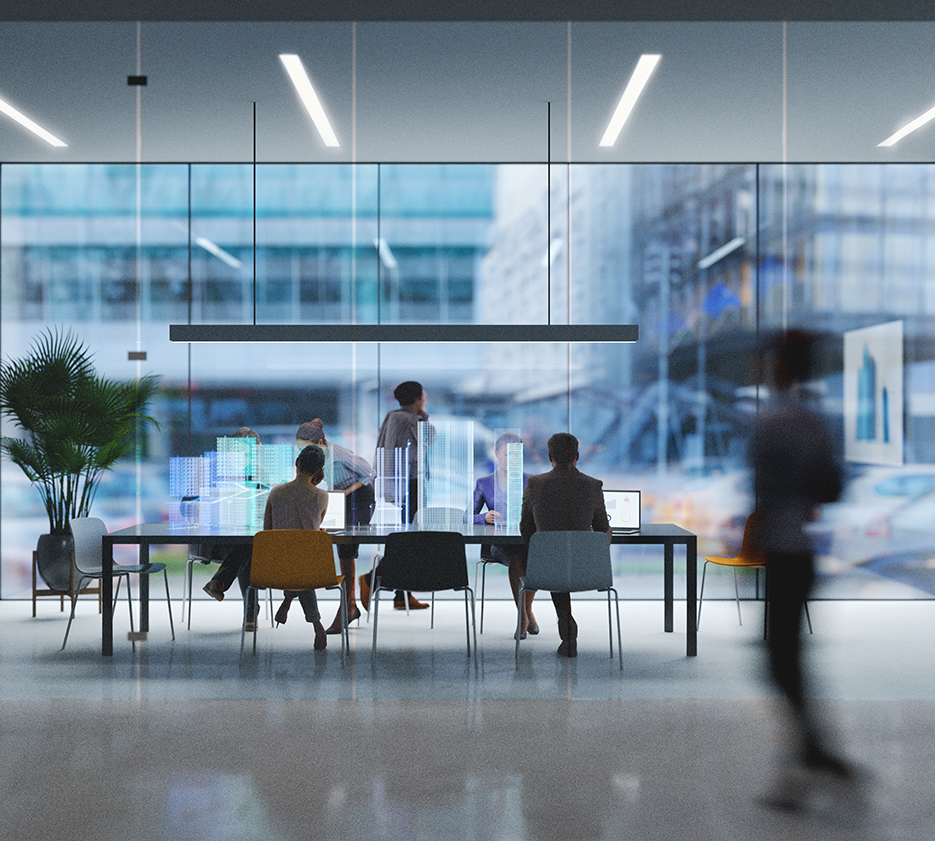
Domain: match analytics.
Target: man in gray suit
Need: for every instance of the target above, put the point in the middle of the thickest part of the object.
(564, 499)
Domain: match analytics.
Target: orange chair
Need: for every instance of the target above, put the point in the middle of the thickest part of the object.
(748, 557)
(295, 559)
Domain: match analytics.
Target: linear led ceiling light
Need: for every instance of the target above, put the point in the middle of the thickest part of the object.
(918, 122)
(306, 92)
(23, 120)
(644, 69)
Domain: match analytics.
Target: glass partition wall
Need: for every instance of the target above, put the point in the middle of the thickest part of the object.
(706, 259)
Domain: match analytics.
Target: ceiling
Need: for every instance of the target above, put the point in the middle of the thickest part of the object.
(429, 88)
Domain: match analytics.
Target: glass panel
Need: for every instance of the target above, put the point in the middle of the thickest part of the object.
(705, 258)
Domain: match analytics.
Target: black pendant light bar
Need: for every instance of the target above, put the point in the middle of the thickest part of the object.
(406, 333)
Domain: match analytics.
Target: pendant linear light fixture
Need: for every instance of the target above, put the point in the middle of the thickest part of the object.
(406, 333)
(397, 333)
(34, 127)
(303, 87)
(644, 69)
(910, 127)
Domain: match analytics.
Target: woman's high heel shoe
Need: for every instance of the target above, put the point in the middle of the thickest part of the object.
(335, 627)
(282, 614)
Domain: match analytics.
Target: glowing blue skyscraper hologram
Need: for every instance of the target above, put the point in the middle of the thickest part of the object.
(445, 473)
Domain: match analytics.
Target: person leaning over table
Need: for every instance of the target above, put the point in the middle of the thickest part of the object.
(564, 499)
(300, 505)
(513, 557)
(352, 474)
(398, 431)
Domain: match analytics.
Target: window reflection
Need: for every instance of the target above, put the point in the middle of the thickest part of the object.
(702, 257)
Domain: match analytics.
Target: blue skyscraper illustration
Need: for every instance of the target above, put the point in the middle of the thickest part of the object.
(866, 404)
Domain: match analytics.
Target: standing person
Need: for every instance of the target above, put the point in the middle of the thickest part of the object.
(348, 472)
(235, 560)
(564, 499)
(300, 505)
(399, 432)
(794, 473)
(488, 494)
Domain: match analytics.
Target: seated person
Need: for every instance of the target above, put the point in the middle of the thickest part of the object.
(300, 505)
(350, 473)
(564, 499)
(486, 494)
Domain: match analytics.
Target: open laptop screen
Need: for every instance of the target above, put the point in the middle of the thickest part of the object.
(334, 516)
(623, 509)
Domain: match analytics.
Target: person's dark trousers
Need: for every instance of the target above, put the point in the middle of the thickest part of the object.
(237, 565)
(400, 596)
(358, 509)
(567, 627)
(790, 579)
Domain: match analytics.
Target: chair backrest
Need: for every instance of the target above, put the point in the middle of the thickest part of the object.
(748, 549)
(292, 559)
(424, 561)
(87, 532)
(569, 561)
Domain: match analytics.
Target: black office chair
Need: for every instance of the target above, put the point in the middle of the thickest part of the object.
(424, 561)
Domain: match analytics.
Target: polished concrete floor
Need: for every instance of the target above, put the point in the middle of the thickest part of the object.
(187, 740)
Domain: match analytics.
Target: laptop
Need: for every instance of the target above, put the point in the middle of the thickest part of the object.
(623, 511)
(334, 516)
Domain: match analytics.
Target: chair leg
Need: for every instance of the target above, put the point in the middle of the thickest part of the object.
(483, 590)
(345, 634)
(619, 638)
(432, 618)
(704, 570)
(165, 575)
(808, 618)
(243, 624)
(74, 601)
(375, 602)
(467, 623)
(130, 605)
(737, 598)
(610, 626)
(474, 626)
(187, 590)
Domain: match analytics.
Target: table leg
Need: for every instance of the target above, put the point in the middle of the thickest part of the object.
(669, 591)
(144, 590)
(691, 597)
(107, 598)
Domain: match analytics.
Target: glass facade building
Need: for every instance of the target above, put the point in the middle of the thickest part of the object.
(705, 258)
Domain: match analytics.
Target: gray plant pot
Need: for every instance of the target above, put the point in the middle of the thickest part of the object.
(53, 557)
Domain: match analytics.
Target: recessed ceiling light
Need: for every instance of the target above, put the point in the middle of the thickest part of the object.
(35, 128)
(918, 122)
(306, 92)
(641, 74)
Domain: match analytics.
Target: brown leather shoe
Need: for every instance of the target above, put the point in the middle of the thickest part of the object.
(213, 589)
(414, 603)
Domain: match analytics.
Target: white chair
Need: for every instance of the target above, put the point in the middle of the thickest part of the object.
(87, 532)
(570, 562)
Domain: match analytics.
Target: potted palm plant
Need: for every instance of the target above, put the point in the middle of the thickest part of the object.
(73, 426)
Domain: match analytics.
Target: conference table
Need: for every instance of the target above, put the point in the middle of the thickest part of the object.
(146, 535)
